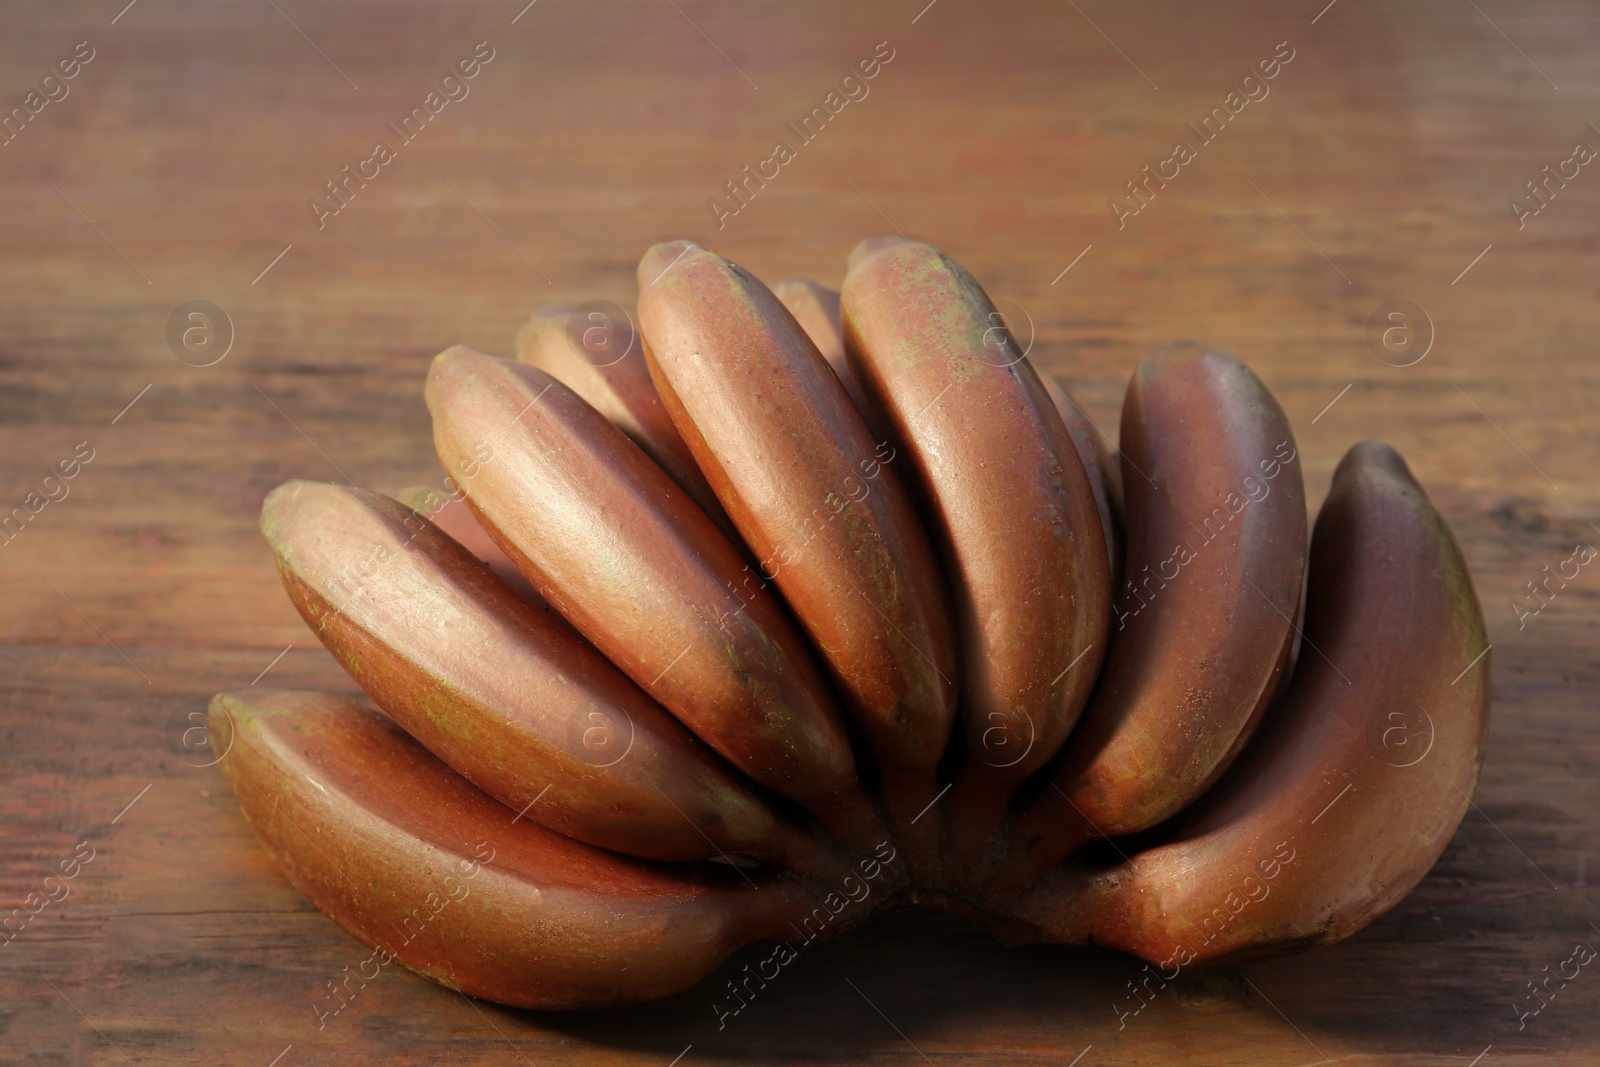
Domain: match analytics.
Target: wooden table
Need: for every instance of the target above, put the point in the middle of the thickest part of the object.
(1378, 167)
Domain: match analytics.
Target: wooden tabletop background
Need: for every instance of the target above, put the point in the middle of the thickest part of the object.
(179, 166)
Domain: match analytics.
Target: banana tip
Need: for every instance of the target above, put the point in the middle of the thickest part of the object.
(1372, 454)
(453, 360)
(276, 505)
(874, 246)
(661, 258)
(223, 716)
(1175, 354)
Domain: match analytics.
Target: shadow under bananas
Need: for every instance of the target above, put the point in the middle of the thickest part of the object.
(904, 968)
(929, 980)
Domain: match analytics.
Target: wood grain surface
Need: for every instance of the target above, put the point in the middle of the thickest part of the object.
(1378, 167)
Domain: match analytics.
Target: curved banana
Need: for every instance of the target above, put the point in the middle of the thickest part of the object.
(501, 689)
(417, 864)
(1216, 560)
(1355, 782)
(629, 560)
(610, 373)
(815, 497)
(1001, 479)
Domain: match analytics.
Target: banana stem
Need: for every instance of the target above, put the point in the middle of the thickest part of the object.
(808, 856)
(1030, 857)
(1075, 905)
(913, 802)
(859, 835)
(771, 912)
(979, 805)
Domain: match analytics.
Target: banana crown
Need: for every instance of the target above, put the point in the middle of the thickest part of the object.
(742, 615)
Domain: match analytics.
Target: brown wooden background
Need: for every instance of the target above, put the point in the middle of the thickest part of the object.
(1382, 162)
